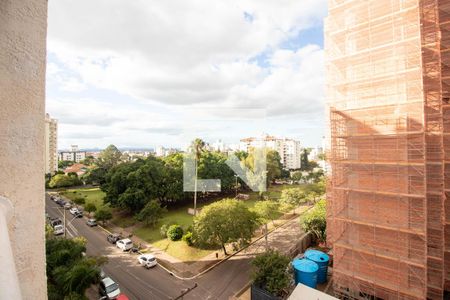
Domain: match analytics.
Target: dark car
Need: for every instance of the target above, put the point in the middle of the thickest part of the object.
(55, 221)
(91, 222)
(113, 238)
(61, 202)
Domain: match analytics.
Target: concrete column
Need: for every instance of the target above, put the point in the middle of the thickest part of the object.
(23, 26)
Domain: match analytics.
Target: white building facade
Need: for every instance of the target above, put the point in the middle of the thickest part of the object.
(51, 145)
(288, 149)
(73, 155)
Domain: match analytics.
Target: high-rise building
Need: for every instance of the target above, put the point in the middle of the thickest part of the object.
(51, 145)
(288, 149)
(388, 90)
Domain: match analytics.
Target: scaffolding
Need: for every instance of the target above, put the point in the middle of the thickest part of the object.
(388, 90)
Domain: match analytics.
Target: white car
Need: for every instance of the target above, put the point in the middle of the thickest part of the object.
(74, 211)
(125, 244)
(109, 289)
(58, 229)
(147, 260)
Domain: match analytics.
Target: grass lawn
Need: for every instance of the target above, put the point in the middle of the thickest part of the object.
(91, 195)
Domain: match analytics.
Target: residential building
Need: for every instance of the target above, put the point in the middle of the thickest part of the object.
(51, 145)
(289, 149)
(73, 155)
(388, 79)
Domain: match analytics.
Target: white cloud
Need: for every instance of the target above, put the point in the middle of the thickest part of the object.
(179, 53)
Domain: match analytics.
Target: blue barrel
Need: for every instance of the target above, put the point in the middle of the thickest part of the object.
(305, 272)
(322, 260)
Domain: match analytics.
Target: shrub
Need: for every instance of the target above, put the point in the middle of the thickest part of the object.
(79, 200)
(315, 220)
(187, 237)
(163, 230)
(270, 271)
(175, 232)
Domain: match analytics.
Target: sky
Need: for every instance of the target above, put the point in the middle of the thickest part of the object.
(149, 73)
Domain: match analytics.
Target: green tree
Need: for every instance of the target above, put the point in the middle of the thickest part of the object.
(61, 180)
(69, 272)
(223, 222)
(297, 176)
(270, 272)
(88, 161)
(292, 198)
(267, 211)
(315, 221)
(90, 207)
(110, 157)
(151, 213)
(103, 215)
(62, 164)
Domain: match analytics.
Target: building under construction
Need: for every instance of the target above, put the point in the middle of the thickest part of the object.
(388, 90)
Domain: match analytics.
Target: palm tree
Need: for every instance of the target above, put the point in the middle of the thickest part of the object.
(197, 147)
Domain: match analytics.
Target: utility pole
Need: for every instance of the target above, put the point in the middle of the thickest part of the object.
(195, 188)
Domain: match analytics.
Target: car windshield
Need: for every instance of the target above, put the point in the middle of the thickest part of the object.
(112, 287)
(151, 259)
(129, 243)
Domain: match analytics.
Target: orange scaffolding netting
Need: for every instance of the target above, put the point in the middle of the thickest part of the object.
(388, 90)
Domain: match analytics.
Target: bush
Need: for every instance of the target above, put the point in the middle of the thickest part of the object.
(188, 238)
(270, 272)
(315, 221)
(79, 200)
(163, 230)
(175, 232)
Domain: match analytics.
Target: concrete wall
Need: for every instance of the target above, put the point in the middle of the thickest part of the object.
(23, 26)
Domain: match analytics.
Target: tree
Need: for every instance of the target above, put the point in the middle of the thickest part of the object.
(304, 161)
(69, 272)
(90, 207)
(109, 157)
(151, 213)
(291, 198)
(270, 271)
(297, 176)
(103, 215)
(223, 222)
(267, 211)
(61, 180)
(62, 164)
(88, 161)
(315, 221)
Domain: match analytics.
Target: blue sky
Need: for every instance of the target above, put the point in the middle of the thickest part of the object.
(144, 74)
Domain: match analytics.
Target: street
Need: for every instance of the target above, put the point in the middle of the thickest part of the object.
(139, 283)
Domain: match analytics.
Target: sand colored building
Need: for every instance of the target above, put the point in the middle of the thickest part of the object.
(388, 90)
(51, 145)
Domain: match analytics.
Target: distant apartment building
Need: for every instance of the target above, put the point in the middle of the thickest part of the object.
(388, 209)
(51, 145)
(73, 155)
(289, 149)
(162, 151)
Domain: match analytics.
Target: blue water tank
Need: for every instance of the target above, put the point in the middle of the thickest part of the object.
(322, 259)
(305, 272)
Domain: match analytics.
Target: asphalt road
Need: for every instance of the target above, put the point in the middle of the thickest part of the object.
(139, 283)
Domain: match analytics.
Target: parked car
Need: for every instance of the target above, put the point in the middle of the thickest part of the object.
(67, 205)
(91, 222)
(113, 238)
(147, 260)
(74, 211)
(61, 202)
(125, 244)
(58, 229)
(109, 288)
(55, 221)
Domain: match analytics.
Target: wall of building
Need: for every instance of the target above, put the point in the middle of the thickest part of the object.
(23, 26)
